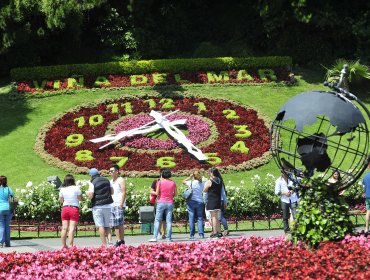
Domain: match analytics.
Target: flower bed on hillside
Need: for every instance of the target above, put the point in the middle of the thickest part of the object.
(252, 76)
(242, 258)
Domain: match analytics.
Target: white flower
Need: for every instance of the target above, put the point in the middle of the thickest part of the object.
(256, 177)
(33, 203)
(23, 190)
(242, 182)
(270, 175)
(178, 210)
(47, 217)
(237, 189)
(21, 203)
(130, 184)
(232, 198)
(17, 190)
(29, 184)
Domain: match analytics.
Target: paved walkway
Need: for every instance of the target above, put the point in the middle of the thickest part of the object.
(49, 244)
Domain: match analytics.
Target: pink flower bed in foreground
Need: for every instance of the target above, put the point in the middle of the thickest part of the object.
(242, 258)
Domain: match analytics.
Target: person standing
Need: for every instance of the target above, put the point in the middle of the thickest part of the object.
(100, 192)
(195, 205)
(153, 189)
(165, 191)
(223, 209)
(70, 196)
(5, 212)
(213, 187)
(289, 199)
(366, 183)
(119, 203)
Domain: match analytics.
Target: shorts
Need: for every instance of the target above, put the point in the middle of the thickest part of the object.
(208, 214)
(101, 217)
(70, 214)
(116, 216)
(367, 203)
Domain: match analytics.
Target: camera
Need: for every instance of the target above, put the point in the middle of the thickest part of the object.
(294, 188)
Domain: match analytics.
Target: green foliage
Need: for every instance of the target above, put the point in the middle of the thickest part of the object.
(356, 70)
(207, 49)
(322, 215)
(41, 202)
(147, 66)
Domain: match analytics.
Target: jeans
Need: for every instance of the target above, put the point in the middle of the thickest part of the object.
(167, 208)
(286, 213)
(5, 217)
(195, 208)
(223, 219)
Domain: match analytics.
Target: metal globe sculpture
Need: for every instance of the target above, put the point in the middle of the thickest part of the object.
(318, 132)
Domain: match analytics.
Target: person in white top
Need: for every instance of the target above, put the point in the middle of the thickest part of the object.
(119, 203)
(288, 195)
(69, 196)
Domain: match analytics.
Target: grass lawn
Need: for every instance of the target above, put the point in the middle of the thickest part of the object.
(20, 121)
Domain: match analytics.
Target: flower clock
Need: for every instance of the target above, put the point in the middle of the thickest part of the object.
(143, 133)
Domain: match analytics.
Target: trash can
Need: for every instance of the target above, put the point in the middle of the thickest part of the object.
(147, 228)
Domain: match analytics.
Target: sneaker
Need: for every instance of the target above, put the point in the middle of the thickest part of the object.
(219, 235)
(153, 240)
(120, 242)
(226, 232)
(110, 244)
(1, 245)
(163, 236)
(191, 237)
(201, 236)
(213, 235)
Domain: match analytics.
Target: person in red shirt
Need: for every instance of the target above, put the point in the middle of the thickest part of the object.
(165, 191)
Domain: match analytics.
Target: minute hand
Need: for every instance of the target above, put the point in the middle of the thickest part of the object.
(177, 135)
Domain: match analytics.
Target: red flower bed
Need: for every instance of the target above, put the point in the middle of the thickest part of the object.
(242, 258)
(89, 122)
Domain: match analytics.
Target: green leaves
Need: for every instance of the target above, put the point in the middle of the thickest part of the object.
(321, 215)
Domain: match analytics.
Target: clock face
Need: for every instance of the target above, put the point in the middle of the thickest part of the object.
(231, 135)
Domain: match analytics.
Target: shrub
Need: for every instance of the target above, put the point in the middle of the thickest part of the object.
(356, 71)
(147, 66)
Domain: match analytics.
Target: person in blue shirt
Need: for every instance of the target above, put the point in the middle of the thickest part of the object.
(223, 208)
(366, 183)
(195, 205)
(5, 212)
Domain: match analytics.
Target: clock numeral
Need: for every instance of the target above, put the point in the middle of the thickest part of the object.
(242, 130)
(121, 161)
(74, 140)
(167, 103)
(93, 120)
(213, 158)
(166, 162)
(80, 121)
(201, 106)
(84, 155)
(127, 107)
(230, 114)
(96, 120)
(151, 103)
(239, 146)
(113, 108)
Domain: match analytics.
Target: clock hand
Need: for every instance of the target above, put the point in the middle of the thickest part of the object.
(177, 135)
(134, 131)
(138, 130)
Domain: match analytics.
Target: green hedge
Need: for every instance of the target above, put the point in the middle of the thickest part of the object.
(147, 66)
